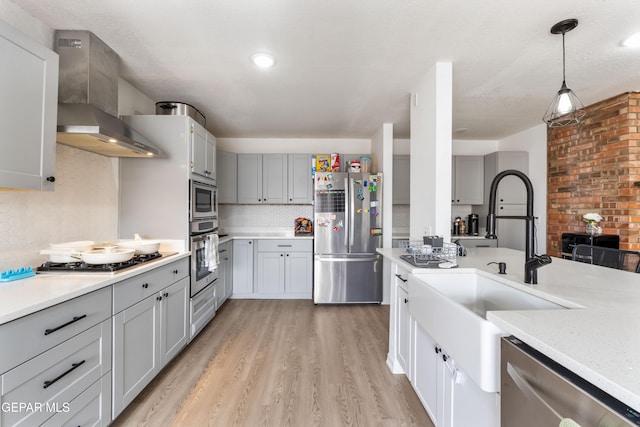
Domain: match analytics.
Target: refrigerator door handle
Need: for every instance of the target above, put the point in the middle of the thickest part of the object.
(352, 208)
(347, 258)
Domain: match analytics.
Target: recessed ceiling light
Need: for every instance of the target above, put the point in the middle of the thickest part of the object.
(632, 41)
(263, 60)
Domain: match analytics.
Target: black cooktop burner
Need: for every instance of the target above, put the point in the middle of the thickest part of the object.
(83, 267)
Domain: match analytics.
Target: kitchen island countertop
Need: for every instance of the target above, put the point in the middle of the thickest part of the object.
(597, 339)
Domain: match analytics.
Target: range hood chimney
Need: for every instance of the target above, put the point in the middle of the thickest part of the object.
(88, 99)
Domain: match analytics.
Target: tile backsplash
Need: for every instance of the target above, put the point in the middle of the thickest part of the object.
(267, 216)
(84, 206)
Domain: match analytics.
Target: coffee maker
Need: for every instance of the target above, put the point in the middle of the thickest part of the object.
(472, 225)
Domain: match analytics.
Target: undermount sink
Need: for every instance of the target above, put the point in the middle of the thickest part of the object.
(452, 308)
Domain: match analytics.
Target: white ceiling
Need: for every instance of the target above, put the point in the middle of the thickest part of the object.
(344, 67)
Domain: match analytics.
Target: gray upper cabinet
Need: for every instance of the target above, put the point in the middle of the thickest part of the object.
(28, 112)
(274, 178)
(401, 179)
(300, 184)
(271, 178)
(227, 177)
(511, 189)
(249, 178)
(203, 152)
(467, 180)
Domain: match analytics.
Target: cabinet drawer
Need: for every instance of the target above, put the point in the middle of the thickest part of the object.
(91, 408)
(130, 291)
(401, 276)
(289, 245)
(479, 243)
(38, 332)
(49, 381)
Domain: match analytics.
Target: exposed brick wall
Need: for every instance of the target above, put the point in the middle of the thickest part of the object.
(594, 166)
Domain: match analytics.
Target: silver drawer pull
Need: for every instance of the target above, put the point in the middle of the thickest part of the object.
(74, 366)
(284, 246)
(74, 320)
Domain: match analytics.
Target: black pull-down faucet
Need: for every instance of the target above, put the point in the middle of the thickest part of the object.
(532, 261)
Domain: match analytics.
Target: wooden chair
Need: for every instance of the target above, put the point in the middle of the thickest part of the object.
(607, 257)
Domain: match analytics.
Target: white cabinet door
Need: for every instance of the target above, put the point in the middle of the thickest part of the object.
(298, 274)
(401, 179)
(467, 184)
(270, 273)
(136, 337)
(242, 267)
(174, 328)
(425, 365)
(274, 178)
(28, 112)
(210, 156)
(299, 182)
(249, 178)
(227, 177)
(404, 325)
(198, 150)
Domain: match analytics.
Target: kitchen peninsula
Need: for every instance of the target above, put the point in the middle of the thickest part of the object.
(593, 335)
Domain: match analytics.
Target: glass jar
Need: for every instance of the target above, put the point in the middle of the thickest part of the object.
(365, 164)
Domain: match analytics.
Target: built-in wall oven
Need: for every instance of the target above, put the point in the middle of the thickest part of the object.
(203, 218)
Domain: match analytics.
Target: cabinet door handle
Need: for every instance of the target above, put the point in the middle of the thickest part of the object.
(166, 294)
(145, 285)
(406, 300)
(175, 271)
(400, 277)
(287, 254)
(74, 366)
(159, 298)
(437, 349)
(51, 178)
(74, 320)
(281, 254)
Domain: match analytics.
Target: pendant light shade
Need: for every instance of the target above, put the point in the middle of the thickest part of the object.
(566, 108)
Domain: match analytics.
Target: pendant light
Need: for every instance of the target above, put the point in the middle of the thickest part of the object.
(566, 108)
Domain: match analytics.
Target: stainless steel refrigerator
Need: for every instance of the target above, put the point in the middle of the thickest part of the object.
(347, 231)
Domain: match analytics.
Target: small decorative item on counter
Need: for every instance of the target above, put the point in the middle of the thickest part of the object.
(354, 166)
(335, 162)
(20, 273)
(323, 163)
(303, 227)
(592, 220)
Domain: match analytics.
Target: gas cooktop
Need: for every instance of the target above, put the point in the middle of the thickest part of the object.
(83, 267)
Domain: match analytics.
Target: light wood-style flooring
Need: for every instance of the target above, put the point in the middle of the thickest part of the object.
(282, 363)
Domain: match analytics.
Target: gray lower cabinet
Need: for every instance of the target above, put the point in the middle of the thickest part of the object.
(56, 355)
(147, 334)
(242, 268)
(225, 272)
(284, 269)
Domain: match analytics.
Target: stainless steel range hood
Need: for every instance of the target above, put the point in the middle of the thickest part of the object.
(88, 99)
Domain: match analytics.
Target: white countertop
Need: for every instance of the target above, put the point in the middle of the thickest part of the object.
(598, 342)
(22, 297)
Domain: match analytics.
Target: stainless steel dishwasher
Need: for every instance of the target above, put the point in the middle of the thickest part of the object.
(536, 391)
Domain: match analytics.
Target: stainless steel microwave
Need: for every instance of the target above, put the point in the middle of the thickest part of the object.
(204, 201)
